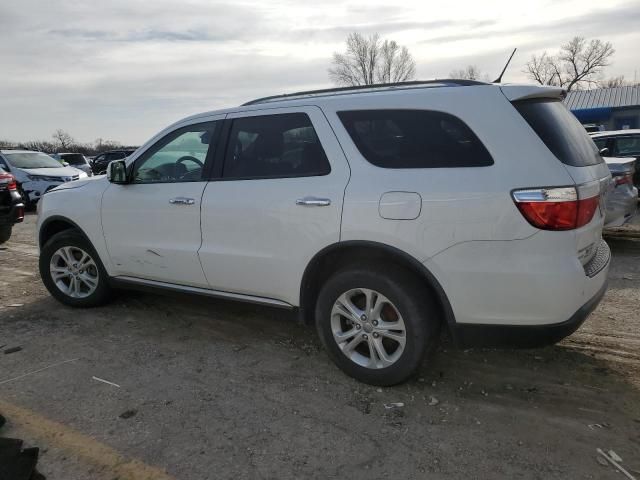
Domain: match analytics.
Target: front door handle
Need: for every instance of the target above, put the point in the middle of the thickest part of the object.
(182, 201)
(313, 202)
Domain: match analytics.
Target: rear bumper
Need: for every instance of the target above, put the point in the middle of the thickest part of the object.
(525, 336)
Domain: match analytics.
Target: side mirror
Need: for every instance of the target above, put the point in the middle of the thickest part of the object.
(65, 164)
(604, 152)
(117, 172)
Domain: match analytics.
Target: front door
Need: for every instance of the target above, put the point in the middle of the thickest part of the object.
(152, 224)
(276, 203)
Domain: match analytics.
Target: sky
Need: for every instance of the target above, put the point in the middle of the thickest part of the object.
(124, 69)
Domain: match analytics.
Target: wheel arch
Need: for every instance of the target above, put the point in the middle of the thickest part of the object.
(323, 264)
(56, 224)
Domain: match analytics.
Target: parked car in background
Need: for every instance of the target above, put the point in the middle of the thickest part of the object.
(36, 173)
(622, 197)
(11, 206)
(76, 160)
(382, 214)
(591, 128)
(100, 162)
(620, 143)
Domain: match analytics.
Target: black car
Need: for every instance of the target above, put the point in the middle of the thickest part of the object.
(11, 206)
(100, 162)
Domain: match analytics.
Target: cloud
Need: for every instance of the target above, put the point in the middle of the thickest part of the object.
(123, 69)
(137, 36)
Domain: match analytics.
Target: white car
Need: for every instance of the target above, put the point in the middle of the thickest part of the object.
(382, 214)
(76, 160)
(36, 173)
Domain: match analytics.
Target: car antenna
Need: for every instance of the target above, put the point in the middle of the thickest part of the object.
(499, 79)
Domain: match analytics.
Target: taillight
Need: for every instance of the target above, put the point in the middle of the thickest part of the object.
(564, 208)
(623, 179)
(8, 180)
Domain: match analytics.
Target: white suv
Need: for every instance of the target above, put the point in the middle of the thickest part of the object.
(382, 214)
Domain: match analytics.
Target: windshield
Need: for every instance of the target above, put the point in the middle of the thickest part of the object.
(31, 160)
(561, 132)
(73, 158)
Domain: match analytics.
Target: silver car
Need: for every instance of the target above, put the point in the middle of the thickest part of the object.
(36, 173)
(76, 160)
(622, 197)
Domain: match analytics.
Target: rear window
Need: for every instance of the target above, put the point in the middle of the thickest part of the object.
(414, 139)
(560, 131)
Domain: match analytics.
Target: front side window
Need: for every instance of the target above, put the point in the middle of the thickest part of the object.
(178, 157)
(627, 146)
(414, 139)
(274, 146)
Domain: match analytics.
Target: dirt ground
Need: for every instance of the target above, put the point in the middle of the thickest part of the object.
(214, 390)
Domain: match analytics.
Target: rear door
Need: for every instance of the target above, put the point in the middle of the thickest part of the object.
(567, 139)
(275, 202)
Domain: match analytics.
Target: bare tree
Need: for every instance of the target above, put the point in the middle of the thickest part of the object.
(614, 82)
(578, 63)
(368, 60)
(471, 72)
(39, 146)
(63, 139)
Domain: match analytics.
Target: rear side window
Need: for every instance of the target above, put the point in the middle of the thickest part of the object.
(114, 156)
(560, 131)
(414, 139)
(74, 159)
(600, 143)
(274, 146)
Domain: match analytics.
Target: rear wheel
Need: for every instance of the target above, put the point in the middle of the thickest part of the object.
(5, 233)
(377, 326)
(72, 271)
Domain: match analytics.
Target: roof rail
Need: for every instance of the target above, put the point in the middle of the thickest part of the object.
(368, 88)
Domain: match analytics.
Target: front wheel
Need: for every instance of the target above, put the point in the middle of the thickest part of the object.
(72, 271)
(377, 326)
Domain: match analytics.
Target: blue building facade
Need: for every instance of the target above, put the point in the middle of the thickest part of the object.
(610, 108)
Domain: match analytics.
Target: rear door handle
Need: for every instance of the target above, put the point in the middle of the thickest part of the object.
(313, 202)
(182, 201)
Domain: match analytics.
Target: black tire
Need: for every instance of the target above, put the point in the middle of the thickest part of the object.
(28, 205)
(412, 300)
(73, 238)
(5, 233)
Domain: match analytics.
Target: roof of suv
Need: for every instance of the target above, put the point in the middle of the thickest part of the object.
(18, 151)
(360, 89)
(511, 91)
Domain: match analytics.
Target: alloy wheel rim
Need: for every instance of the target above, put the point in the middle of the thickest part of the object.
(74, 272)
(368, 328)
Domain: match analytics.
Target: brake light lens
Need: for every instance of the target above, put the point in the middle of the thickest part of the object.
(623, 179)
(8, 180)
(557, 208)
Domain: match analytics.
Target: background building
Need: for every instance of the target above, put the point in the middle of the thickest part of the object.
(610, 108)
